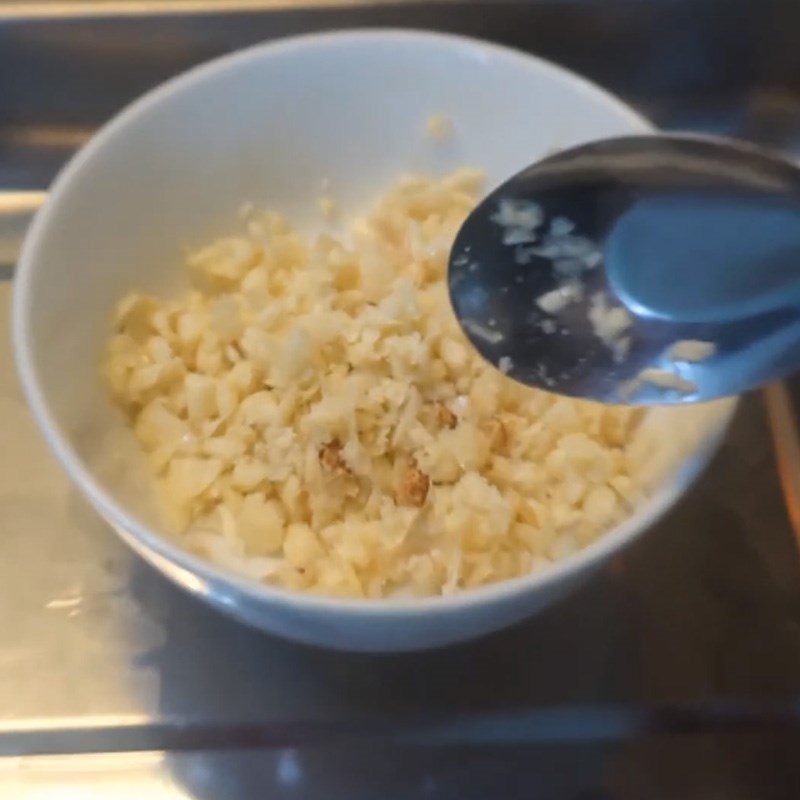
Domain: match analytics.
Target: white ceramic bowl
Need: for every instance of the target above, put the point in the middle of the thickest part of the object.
(268, 124)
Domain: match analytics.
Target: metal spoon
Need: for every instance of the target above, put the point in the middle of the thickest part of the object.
(643, 270)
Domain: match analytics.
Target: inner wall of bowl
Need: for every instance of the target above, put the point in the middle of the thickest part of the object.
(268, 126)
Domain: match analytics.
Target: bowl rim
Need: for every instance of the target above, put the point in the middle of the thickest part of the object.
(213, 574)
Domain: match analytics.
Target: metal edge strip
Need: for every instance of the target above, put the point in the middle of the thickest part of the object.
(559, 724)
(22, 11)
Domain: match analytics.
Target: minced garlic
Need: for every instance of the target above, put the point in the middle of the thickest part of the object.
(314, 413)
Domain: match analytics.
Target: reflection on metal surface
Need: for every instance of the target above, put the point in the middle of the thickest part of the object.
(92, 8)
(57, 136)
(16, 211)
(784, 418)
(87, 722)
(102, 776)
(13, 203)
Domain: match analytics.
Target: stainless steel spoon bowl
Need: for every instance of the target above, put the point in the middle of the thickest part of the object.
(643, 269)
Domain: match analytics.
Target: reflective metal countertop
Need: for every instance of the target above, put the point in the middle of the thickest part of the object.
(674, 673)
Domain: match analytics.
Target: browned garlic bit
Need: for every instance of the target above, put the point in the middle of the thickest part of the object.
(445, 417)
(414, 487)
(330, 457)
(497, 434)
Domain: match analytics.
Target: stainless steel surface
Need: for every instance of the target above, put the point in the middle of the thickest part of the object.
(690, 238)
(697, 624)
(16, 212)
(707, 64)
